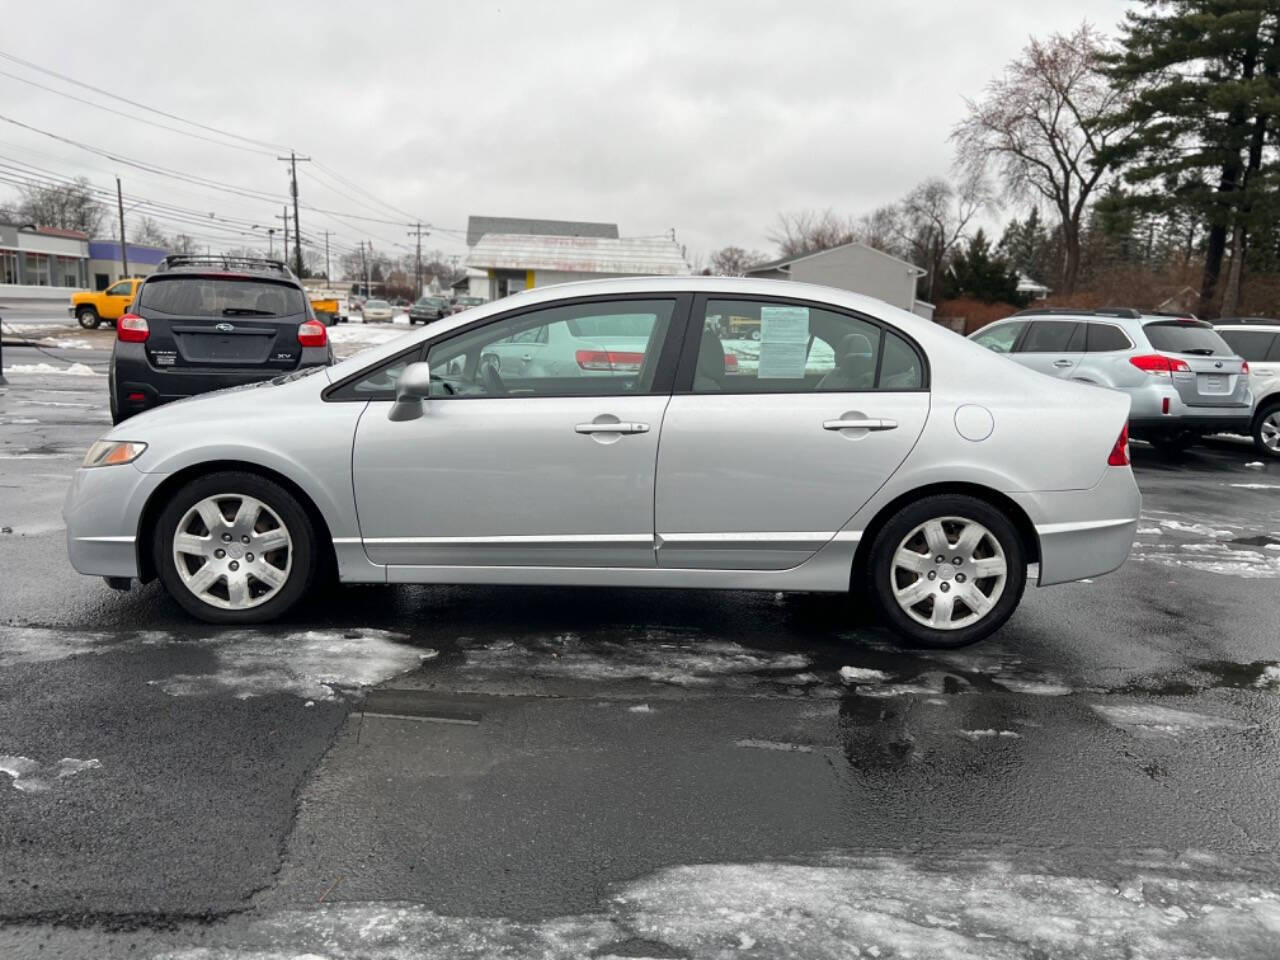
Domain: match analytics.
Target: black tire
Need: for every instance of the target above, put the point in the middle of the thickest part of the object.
(113, 401)
(88, 318)
(305, 560)
(880, 570)
(1173, 444)
(1270, 410)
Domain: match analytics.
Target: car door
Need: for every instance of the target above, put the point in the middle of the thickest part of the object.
(511, 467)
(116, 300)
(765, 459)
(1053, 347)
(1262, 349)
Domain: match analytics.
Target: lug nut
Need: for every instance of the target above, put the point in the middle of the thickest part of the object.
(957, 561)
(959, 576)
(234, 565)
(945, 586)
(933, 575)
(939, 558)
(245, 539)
(226, 538)
(249, 557)
(219, 553)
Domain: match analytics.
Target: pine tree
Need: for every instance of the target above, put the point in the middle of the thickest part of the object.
(975, 272)
(1204, 79)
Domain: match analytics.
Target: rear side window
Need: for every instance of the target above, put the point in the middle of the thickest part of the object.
(1105, 337)
(206, 297)
(1254, 345)
(1053, 336)
(1186, 336)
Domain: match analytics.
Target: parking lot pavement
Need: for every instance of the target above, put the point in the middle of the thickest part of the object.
(475, 772)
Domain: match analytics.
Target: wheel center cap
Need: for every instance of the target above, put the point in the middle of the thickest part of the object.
(234, 551)
(946, 572)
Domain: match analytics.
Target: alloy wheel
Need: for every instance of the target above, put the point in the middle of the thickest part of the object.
(948, 573)
(232, 551)
(1269, 431)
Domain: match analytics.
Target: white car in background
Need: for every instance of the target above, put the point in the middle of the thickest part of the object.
(378, 311)
(1257, 339)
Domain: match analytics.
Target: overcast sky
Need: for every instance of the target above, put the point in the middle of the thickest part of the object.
(705, 117)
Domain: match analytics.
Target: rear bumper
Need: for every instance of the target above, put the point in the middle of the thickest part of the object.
(133, 374)
(1230, 420)
(1084, 533)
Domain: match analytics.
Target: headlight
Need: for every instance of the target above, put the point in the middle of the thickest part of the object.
(106, 453)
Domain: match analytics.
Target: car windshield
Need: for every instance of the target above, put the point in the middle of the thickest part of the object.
(377, 304)
(196, 296)
(1187, 336)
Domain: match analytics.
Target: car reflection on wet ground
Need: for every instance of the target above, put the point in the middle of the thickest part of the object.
(463, 772)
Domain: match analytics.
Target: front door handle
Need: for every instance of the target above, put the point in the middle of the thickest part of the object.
(1062, 363)
(863, 424)
(618, 426)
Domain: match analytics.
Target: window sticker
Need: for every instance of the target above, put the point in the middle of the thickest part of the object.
(784, 342)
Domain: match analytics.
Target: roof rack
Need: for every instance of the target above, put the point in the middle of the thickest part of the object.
(1245, 321)
(1127, 313)
(225, 262)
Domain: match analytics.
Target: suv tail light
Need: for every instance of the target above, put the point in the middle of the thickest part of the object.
(132, 328)
(1120, 452)
(312, 334)
(730, 363)
(1244, 367)
(1159, 366)
(619, 361)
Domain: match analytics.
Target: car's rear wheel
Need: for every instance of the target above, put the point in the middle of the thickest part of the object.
(1266, 430)
(88, 318)
(947, 571)
(235, 547)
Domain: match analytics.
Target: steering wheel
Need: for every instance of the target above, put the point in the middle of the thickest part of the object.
(493, 384)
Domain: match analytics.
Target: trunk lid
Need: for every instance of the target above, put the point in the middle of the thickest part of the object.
(1215, 377)
(222, 322)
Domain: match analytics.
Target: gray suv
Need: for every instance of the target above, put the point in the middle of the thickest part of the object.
(1183, 379)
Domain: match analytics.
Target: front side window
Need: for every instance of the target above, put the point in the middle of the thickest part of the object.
(588, 350)
(1252, 345)
(1053, 336)
(121, 289)
(1000, 337)
(756, 347)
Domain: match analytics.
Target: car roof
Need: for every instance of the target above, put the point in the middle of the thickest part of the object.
(218, 265)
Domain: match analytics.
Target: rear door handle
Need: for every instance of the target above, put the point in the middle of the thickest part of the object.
(617, 427)
(1062, 363)
(859, 424)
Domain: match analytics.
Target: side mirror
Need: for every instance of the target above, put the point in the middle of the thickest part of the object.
(413, 387)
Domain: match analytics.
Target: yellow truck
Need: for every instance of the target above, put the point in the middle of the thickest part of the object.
(92, 307)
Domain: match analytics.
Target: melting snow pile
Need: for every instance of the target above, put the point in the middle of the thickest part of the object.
(313, 664)
(1165, 721)
(31, 776)
(75, 370)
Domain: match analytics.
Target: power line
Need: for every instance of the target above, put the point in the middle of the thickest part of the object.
(140, 106)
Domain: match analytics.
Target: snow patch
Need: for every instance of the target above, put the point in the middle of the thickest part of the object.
(1145, 719)
(31, 776)
(862, 675)
(1035, 688)
(1270, 677)
(640, 708)
(783, 745)
(75, 370)
(1255, 465)
(980, 734)
(312, 665)
(1256, 486)
(42, 644)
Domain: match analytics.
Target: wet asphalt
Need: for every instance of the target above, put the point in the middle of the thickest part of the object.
(517, 755)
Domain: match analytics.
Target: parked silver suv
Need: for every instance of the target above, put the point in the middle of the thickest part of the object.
(1257, 339)
(1183, 379)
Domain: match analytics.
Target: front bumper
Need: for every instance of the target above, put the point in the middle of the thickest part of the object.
(102, 512)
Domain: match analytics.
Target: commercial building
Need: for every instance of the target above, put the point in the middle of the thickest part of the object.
(857, 267)
(105, 267)
(42, 261)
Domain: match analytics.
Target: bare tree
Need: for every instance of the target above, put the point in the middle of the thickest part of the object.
(808, 231)
(734, 261)
(149, 233)
(933, 219)
(882, 229)
(1041, 124)
(71, 207)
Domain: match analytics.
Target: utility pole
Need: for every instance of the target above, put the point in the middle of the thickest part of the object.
(271, 242)
(124, 253)
(327, 273)
(293, 159)
(364, 268)
(285, 217)
(417, 231)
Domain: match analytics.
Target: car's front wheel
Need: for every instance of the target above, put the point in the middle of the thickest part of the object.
(234, 547)
(947, 570)
(88, 318)
(1266, 430)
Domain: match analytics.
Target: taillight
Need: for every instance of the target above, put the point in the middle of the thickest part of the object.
(312, 334)
(132, 328)
(1158, 365)
(619, 361)
(1120, 452)
(730, 363)
(1244, 367)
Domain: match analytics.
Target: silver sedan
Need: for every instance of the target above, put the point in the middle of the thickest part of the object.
(862, 447)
